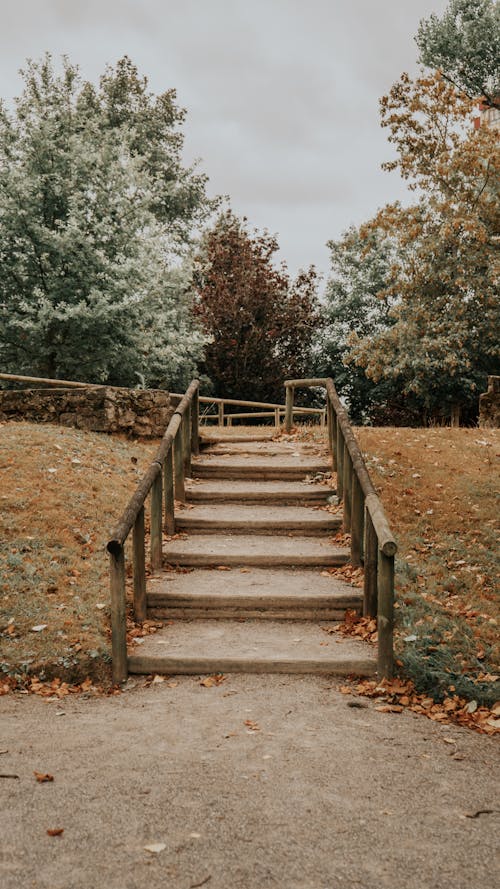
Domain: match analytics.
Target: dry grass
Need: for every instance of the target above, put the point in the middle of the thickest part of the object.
(62, 490)
(440, 488)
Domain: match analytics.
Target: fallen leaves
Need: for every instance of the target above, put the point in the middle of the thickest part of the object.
(396, 695)
(54, 690)
(251, 725)
(55, 831)
(210, 681)
(43, 777)
(349, 573)
(364, 628)
(136, 632)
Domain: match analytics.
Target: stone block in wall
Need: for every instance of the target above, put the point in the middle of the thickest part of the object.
(142, 413)
(489, 405)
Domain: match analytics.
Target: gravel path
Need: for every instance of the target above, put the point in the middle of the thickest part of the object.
(310, 793)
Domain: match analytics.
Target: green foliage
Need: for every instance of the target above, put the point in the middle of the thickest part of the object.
(357, 306)
(94, 208)
(437, 649)
(260, 324)
(465, 46)
(443, 342)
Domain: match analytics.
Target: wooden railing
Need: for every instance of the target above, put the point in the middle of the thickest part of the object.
(165, 479)
(372, 542)
(271, 410)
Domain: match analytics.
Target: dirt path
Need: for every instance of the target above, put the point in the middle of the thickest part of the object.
(310, 793)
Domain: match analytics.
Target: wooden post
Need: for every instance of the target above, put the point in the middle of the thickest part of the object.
(340, 462)
(118, 616)
(168, 493)
(195, 423)
(347, 489)
(186, 441)
(289, 409)
(156, 523)
(357, 522)
(322, 418)
(334, 439)
(385, 616)
(140, 603)
(370, 596)
(220, 411)
(180, 490)
(277, 419)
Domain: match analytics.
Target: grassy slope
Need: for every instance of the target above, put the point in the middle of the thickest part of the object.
(438, 486)
(61, 492)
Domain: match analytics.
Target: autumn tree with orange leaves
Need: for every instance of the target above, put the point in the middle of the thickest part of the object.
(259, 322)
(444, 339)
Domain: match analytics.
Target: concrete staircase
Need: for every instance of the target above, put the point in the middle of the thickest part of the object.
(245, 587)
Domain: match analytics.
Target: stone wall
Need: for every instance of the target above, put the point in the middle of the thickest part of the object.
(489, 405)
(143, 413)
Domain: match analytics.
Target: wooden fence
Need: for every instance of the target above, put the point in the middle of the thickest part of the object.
(372, 542)
(219, 413)
(164, 480)
(269, 410)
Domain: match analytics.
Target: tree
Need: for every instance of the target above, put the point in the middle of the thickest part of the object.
(465, 46)
(89, 225)
(261, 325)
(444, 340)
(357, 306)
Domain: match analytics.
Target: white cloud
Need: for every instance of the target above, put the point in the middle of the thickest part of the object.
(282, 95)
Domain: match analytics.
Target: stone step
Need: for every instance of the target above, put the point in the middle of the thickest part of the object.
(276, 492)
(235, 466)
(207, 646)
(214, 436)
(258, 550)
(269, 594)
(245, 518)
(271, 448)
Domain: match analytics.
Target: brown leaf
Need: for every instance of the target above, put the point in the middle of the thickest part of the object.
(251, 725)
(43, 777)
(55, 831)
(210, 681)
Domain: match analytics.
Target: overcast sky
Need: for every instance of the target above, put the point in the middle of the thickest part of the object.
(282, 95)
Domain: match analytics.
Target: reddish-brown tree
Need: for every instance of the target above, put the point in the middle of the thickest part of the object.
(260, 323)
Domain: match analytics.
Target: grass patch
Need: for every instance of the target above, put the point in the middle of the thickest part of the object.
(62, 491)
(440, 488)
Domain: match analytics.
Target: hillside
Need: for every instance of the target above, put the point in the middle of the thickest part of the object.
(63, 489)
(441, 489)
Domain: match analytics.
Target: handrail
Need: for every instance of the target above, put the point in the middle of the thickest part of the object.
(372, 542)
(67, 384)
(274, 410)
(212, 399)
(165, 479)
